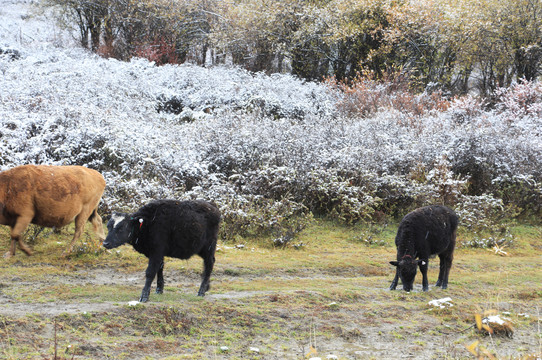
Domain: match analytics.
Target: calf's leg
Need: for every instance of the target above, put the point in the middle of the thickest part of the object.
(423, 264)
(160, 279)
(442, 270)
(395, 279)
(446, 259)
(208, 262)
(150, 273)
(447, 267)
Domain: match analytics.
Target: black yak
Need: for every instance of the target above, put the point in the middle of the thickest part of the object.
(50, 196)
(424, 233)
(178, 229)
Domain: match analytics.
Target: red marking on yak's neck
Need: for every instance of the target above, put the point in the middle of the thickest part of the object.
(406, 256)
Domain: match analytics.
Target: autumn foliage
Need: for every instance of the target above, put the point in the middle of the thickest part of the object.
(453, 46)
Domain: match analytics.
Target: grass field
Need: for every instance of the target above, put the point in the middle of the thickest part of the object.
(328, 299)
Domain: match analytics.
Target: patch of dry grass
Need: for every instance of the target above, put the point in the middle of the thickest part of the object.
(330, 297)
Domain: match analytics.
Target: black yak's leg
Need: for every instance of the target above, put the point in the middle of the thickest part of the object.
(442, 270)
(208, 263)
(160, 279)
(395, 279)
(150, 273)
(447, 259)
(447, 267)
(423, 268)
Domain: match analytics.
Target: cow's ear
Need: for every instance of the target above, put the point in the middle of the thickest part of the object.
(394, 263)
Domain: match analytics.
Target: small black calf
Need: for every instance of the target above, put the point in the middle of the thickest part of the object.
(424, 233)
(178, 229)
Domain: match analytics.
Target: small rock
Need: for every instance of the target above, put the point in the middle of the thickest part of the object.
(254, 349)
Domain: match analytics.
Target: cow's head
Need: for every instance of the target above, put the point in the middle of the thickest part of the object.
(407, 269)
(121, 228)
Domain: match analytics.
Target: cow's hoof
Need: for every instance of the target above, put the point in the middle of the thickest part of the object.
(426, 289)
(27, 251)
(439, 283)
(159, 291)
(143, 299)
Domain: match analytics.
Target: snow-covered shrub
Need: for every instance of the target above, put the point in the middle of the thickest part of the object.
(450, 186)
(520, 191)
(465, 108)
(269, 150)
(247, 215)
(365, 97)
(521, 99)
(500, 239)
(371, 235)
(173, 104)
(10, 54)
(484, 216)
(347, 197)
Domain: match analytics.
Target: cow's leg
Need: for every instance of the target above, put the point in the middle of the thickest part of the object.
(208, 263)
(424, 264)
(16, 236)
(97, 223)
(160, 279)
(395, 279)
(150, 273)
(80, 221)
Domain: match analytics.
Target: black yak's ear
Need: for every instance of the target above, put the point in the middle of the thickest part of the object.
(394, 263)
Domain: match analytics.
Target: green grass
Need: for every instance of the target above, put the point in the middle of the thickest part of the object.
(332, 295)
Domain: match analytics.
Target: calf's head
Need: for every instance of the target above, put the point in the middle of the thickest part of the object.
(407, 269)
(121, 228)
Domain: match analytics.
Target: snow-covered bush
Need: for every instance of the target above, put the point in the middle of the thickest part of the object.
(271, 151)
(365, 97)
(522, 191)
(484, 216)
(524, 98)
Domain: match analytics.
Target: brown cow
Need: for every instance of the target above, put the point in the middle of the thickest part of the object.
(50, 196)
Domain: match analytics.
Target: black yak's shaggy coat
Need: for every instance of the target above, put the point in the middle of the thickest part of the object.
(423, 233)
(178, 229)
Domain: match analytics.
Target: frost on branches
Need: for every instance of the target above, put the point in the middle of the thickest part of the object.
(269, 150)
